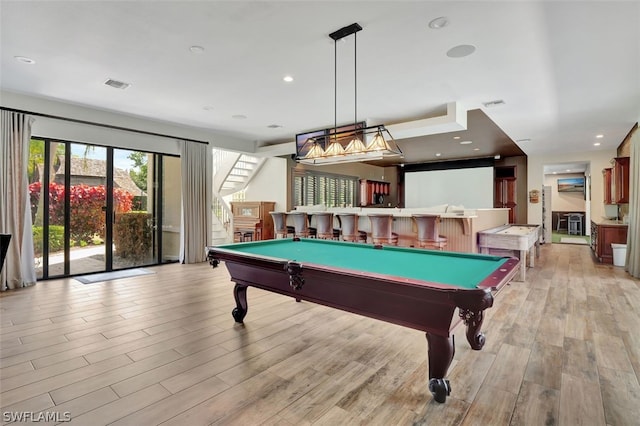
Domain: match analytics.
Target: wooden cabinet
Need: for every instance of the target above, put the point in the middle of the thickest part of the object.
(505, 193)
(602, 235)
(252, 218)
(606, 182)
(373, 192)
(620, 180)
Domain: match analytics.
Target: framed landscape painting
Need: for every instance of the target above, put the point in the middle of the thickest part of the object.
(571, 184)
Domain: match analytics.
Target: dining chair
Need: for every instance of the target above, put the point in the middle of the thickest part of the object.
(561, 219)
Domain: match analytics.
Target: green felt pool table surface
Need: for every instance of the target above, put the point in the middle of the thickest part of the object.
(465, 270)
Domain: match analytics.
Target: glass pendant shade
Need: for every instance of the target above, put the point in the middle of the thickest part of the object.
(315, 151)
(355, 147)
(334, 149)
(378, 144)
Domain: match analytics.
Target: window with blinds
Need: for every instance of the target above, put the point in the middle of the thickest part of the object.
(311, 188)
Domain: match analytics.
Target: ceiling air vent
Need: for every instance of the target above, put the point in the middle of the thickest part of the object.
(116, 84)
(493, 103)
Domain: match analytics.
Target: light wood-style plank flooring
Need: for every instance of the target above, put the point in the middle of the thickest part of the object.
(563, 348)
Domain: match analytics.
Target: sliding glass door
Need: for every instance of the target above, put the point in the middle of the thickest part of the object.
(133, 212)
(98, 209)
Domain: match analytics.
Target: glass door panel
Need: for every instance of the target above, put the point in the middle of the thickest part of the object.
(86, 180)
(36, 170)
(55, 229)
(171, 211)
(133, 209)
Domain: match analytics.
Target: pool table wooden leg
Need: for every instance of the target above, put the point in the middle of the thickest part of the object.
(473, 320)
(240, 294)
(440, 350)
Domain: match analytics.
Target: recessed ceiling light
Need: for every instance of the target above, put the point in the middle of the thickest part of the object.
(476, 149)
(599, 136)
(568, 170)
(196, 49)
(456, 137)
(438, 23)
(596, 144)
(274, 126)
(239, 116)
(555, 173)
(495, 103)
(461, 51)
(24, 60)
(438, 154)
(466, 142)
(287, 78)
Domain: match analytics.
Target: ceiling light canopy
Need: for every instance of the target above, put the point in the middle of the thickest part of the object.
(349, 143)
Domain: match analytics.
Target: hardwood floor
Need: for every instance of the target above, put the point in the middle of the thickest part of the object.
(562, 348)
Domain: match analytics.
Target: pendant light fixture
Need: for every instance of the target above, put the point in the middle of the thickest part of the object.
(356, 149)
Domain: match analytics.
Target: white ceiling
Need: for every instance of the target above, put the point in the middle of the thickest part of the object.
(566, 71)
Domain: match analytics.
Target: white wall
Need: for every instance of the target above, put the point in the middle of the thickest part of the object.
(270, 184)
(78, 132)
(598, 160)
(565, 201)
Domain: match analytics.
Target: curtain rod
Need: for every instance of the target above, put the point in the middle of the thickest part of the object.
(108, 126)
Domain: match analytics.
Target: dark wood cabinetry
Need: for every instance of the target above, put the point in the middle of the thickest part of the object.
(620, 180)
(252, 219)
(606, 182)
(505, 191)
(373, 192)
(602, 235)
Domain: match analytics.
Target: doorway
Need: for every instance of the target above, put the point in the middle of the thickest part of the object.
(568, 189)
(97, 209)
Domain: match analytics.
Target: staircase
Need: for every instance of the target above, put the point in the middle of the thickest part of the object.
(232, 172)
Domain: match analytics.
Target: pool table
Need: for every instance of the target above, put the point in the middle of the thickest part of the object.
(416, 288)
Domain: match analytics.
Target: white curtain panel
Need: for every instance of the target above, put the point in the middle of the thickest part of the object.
(15, 210)
(632, 264)
(196, 202)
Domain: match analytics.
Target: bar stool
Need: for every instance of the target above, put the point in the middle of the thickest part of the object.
(324, 225)
(428, 231)
(349, 226)
(575, 224)
(301, 224)
(280, 225)
(381, 229)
